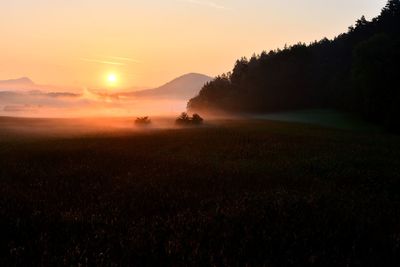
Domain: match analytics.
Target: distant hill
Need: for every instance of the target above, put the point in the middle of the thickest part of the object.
(27, 86)
(17, 83)
(184, 87)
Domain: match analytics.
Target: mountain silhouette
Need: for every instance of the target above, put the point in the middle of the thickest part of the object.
(184, 87)
(20, 82)
(26, 85)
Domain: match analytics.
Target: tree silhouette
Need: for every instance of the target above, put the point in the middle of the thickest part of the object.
(392, 8)
(196, 119)
(142, 121)
(185, 119)
(356, 71)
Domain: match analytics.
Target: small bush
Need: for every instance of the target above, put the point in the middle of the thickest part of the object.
(196, 119)
(142, 121)
(185, 119)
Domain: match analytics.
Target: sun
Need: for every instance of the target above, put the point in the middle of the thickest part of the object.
(112, 79)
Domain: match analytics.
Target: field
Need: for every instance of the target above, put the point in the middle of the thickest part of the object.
(230, 193)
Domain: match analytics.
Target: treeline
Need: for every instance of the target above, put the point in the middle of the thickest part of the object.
(357, 71)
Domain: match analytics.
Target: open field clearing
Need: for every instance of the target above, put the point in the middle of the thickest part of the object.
(230, 193)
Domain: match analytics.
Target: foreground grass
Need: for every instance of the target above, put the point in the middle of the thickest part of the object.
(251, 193)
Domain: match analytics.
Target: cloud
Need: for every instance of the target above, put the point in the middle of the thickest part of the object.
(22, 108)
(103, 62)
(125, 59)
(205, 3)
(111, 60)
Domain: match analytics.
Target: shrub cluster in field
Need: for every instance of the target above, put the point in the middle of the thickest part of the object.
(185, 119)
(260, 194)
(142, 121)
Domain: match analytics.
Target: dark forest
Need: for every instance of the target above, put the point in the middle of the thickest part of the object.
(356, 72)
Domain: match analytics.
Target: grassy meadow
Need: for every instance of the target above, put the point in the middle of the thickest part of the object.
(230, 193)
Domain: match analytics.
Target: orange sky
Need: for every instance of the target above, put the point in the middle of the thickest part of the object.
(146, 43)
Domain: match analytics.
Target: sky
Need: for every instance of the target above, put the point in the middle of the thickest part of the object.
(80, 43)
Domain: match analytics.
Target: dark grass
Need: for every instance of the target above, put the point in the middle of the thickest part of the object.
(238, 193)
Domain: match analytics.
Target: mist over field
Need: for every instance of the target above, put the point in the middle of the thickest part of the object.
(14, 129)
(51, 105)
(23, 98)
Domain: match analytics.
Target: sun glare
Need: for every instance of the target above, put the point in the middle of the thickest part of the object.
(112, 79)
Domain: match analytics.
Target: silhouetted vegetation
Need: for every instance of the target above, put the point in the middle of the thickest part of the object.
(143, 121)
(185, 119)
(357, 71)
(245, 193)
(196, 119)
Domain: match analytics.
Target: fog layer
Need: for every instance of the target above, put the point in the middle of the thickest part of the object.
(85, 104)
